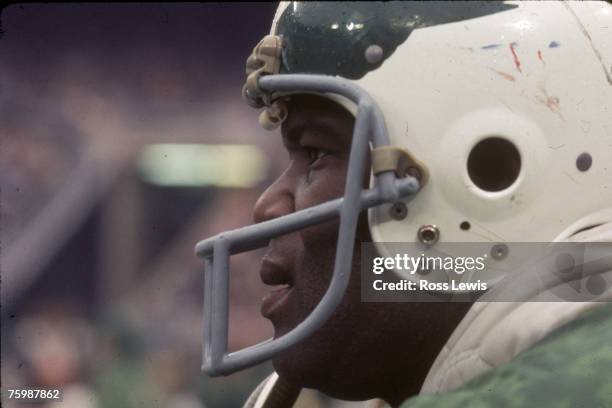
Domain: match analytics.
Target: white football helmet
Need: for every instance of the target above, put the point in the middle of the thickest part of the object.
(485, 122)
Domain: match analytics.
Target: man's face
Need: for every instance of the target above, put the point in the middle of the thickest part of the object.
(317, 137)
(363, 346)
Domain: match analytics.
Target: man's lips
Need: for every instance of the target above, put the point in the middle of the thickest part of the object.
(272, 273)
(275, 300)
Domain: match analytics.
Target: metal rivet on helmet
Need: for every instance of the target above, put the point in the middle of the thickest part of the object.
(428, 234)
(374, 54)
(398, 211)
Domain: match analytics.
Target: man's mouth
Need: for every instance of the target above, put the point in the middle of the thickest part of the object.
(280, 279)
(275, 300)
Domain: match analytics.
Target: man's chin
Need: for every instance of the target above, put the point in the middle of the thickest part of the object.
(286, 320)
(281, 328)
(296, 371)
(305, 366)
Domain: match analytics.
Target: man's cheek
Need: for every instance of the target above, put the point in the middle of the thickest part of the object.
(319, 242)
(319, 254)
(320, 237)
(311, 288)
(320, 191)
(322, 185)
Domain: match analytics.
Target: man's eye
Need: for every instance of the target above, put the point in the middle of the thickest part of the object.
(315, 154)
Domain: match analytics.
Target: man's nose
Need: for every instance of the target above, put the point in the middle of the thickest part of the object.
(276, 201)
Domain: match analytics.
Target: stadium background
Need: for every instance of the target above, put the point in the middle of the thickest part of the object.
(110, 171)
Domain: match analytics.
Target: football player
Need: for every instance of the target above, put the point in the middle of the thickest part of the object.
(426, 123)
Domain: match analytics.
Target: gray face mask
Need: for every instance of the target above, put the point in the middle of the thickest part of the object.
(392, 182)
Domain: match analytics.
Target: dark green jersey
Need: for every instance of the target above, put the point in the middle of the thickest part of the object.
(571, 368)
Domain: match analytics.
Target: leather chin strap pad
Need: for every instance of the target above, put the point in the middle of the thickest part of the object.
(282, 394)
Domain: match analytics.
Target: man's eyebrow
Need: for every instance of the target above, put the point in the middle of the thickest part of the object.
(293, 130)
(292, 133)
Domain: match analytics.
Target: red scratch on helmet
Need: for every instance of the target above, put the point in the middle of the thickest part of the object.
(516, 60)
(540, 57)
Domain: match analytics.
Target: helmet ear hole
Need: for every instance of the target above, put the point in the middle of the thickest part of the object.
(494, 164)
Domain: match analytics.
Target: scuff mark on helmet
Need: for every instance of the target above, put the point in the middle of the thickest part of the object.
(551, 102)
(490, 46)
(504, 75)
(517, 62)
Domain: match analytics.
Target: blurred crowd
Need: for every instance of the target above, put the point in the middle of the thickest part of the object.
(107, 364)
(101, 290)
